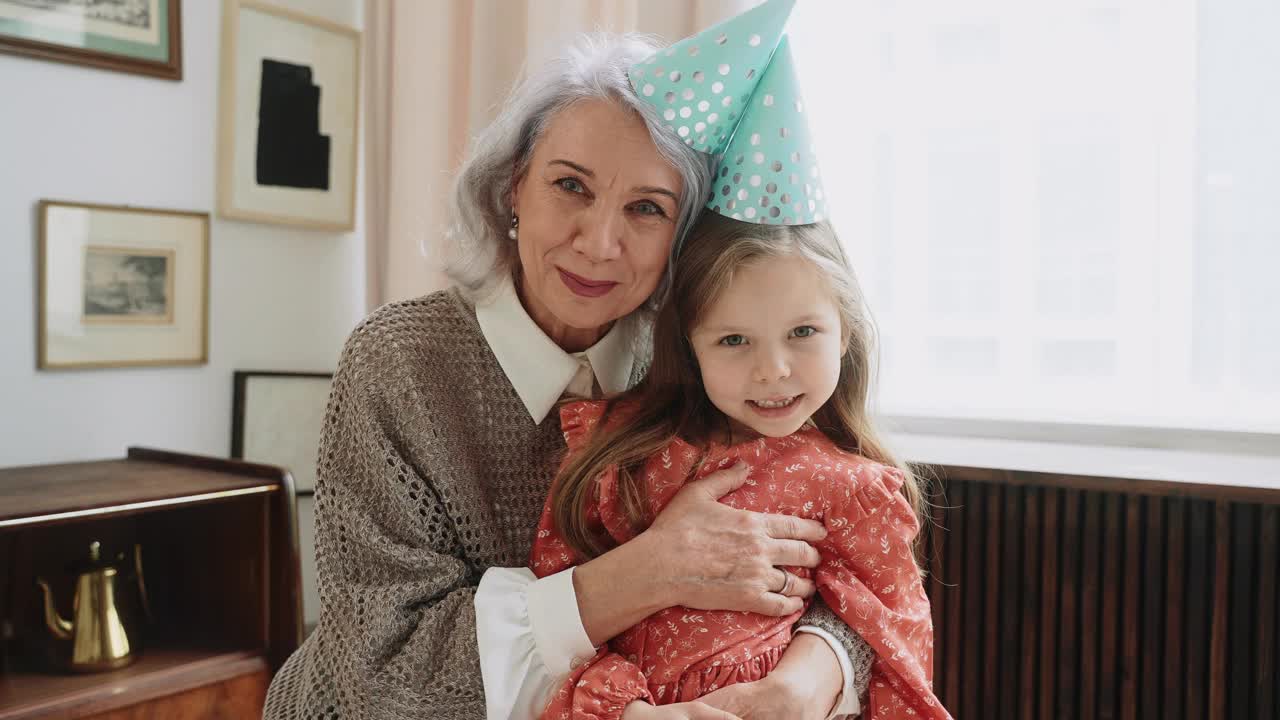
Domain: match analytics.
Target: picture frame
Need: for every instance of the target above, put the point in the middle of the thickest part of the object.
(121, 286)
(133, 36)
(289, 114)
(277, 417)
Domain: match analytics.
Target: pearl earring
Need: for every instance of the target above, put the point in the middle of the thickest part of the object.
(514, 233)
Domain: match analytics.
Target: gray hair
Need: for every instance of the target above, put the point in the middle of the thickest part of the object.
(595, 66)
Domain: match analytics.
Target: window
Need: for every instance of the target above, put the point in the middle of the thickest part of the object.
(1060, 212)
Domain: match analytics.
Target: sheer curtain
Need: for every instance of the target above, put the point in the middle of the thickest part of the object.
(1061, 212)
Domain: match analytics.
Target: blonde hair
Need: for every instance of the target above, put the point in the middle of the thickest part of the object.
(671, 401)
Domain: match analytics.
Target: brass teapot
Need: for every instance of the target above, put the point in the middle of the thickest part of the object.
(103, 632)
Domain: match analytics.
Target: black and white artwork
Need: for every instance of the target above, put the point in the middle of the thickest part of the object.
(121, 286)
(135, 36)
(140, 14)
(292, 152)
(128, 285)
(289, 118)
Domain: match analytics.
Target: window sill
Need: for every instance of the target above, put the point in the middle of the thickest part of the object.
(1197, 466)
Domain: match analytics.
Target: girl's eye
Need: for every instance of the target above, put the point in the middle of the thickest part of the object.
(646, 207)
(804, 331)
(733, 340)
(571, 185)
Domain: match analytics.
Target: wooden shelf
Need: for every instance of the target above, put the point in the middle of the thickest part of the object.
(44, 494)
(219, 543)
(158, 672)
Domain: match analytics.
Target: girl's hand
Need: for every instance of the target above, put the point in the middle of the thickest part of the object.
(759, 700)
(639, 710)
(714, 557)
(805, 685)
(767, 699)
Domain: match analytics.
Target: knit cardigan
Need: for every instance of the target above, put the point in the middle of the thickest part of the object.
(430, 471)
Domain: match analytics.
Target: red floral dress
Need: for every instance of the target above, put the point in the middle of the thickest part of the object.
(867, 576)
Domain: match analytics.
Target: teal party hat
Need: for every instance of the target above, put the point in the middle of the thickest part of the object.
(701, 83)
(769, 173)
(732, 91)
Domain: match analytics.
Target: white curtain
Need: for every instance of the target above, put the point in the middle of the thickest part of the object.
(1062, 212)
(436, 71)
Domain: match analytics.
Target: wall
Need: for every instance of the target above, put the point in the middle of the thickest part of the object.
(280, 299)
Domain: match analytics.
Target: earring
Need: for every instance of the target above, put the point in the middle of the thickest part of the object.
(514, 233)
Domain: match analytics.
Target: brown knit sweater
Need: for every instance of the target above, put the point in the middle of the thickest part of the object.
(430, 471)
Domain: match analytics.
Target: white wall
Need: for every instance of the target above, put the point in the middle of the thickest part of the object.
(280, 298)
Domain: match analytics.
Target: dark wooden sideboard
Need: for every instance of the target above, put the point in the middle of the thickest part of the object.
(220, 555)
(1062, 597)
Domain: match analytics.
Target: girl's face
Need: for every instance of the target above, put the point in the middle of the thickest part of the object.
(769, 347)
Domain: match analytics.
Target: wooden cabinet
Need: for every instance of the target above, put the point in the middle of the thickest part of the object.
(220, 557)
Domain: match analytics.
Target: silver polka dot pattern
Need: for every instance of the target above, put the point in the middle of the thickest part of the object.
(758, 126)
(724, 62)
(778, 180)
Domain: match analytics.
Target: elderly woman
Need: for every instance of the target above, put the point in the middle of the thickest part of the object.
(439, 443)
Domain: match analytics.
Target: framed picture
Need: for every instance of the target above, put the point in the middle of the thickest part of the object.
(122, 286)
(289, 111)
(276, 418)
(136, 36)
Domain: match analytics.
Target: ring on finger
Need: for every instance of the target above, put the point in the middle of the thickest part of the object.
(786, 582)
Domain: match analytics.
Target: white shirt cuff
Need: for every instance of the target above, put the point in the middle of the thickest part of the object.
(847, 705)
(526, 646)
(557, 625)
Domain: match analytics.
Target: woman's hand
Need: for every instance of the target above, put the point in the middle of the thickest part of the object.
(701, 554)
(805, 685)
(719, 558)
(680, 711)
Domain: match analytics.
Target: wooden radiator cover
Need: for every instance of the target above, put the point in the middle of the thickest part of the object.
(1061, 596)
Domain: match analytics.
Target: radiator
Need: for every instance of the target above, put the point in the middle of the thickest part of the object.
(1060, 597)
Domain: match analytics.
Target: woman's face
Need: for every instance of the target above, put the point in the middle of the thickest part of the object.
(597, 209)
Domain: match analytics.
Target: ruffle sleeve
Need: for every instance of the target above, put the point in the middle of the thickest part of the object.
(869, 577)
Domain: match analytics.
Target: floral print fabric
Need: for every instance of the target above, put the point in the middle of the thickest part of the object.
(868, 576)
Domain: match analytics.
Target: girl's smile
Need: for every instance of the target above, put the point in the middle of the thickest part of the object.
(775, 407)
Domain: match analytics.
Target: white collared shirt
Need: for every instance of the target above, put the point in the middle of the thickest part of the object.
(539, 370)
(529, 630)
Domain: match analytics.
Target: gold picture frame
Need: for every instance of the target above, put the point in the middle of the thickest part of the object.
(121, 286)
(289, 118)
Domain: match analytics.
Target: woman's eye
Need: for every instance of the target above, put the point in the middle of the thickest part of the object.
(571, 185)
(804, 331)
(733, 340)
(649, 208)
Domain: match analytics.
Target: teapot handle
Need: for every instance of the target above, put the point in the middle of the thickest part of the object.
(142, 583)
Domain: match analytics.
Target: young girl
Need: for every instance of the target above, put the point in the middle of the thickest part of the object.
(761, 355)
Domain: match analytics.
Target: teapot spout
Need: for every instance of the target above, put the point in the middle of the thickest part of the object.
(60, 628)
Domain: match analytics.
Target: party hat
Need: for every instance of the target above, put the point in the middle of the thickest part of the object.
(769, 173)
(732, 91)
(701, 83)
